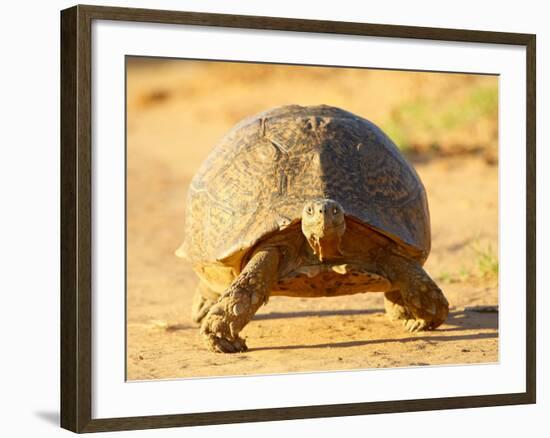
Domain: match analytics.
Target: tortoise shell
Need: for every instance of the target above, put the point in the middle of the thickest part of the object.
(257, 179)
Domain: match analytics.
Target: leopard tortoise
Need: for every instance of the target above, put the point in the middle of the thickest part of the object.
(307, 202)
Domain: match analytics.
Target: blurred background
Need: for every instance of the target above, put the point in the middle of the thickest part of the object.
(445, 124)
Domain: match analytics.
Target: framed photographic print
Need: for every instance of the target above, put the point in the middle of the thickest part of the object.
(268, 218)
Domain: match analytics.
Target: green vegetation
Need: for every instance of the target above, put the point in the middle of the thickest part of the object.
(481, 102)
(432, 123)
(461, 275)
(445, 277)
(485, 266)
(487, 260)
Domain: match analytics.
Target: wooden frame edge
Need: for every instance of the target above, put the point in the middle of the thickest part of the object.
(76, 225)
(531, 218)
(68, 221)
(301, 413)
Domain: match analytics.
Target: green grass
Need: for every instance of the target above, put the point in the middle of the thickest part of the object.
(481, 102)
(486, 259)
(459, 276)
(445, 277)
(485, 266)
(427, 121)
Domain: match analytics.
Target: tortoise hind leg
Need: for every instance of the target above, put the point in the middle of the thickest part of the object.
(203, 300)
(238, 304)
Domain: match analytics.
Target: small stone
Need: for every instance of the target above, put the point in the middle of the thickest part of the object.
(140, 356)
(339, 358)
(482, 309)
(158, 324)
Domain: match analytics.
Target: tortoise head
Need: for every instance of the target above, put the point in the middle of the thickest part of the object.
(323, 224)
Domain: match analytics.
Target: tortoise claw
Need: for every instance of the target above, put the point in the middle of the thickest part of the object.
(219, 344)
(415, 325)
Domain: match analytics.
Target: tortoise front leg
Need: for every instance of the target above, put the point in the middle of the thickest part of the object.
(236, 307)
(395, 306)
(415, 297)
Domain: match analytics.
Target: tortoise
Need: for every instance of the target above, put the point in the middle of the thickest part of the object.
(307, 201)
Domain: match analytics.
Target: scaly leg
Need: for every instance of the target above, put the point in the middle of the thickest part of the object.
(236, 307)
(422, 305)
(395, 306)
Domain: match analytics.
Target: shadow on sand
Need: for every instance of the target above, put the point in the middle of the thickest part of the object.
(316, 313)
(458, 321)
(382, 341)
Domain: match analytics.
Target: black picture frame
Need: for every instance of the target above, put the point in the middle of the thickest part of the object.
(76, 218)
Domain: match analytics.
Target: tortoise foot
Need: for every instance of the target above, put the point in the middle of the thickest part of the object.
(415, 325)
(395, 307)
(396, 310)
(223, 345)
(221, 326)
(219, 330)
(427, 305)
(416, 299)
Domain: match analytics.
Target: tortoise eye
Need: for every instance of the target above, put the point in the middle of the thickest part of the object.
(309, 210)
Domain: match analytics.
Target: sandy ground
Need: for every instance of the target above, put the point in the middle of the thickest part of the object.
(176, 114)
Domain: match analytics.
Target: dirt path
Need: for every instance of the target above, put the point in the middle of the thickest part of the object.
(170, 121)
